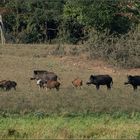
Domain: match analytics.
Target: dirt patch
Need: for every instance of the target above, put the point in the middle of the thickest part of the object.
(96, 66)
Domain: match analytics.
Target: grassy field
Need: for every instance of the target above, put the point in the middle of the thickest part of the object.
(101, 127)
(69, 113)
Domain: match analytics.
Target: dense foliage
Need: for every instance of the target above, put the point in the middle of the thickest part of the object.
(40, 21)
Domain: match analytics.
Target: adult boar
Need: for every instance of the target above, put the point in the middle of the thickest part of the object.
(9, 85)
(100, 80)
(44, 75)
(134, 81)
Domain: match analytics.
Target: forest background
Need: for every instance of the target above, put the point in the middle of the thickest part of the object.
(110, 29)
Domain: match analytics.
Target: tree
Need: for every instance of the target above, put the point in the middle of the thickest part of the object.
(73, 21)
(33, 20)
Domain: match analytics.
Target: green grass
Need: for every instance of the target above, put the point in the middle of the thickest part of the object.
(69, 113)
(97, 126)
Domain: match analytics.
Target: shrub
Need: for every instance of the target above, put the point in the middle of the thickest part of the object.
(121, 51)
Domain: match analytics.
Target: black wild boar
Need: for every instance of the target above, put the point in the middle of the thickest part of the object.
(100, 80)
(134, 81)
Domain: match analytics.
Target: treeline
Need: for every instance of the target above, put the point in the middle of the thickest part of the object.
(70, 21)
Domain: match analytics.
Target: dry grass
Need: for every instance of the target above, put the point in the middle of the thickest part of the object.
(69, 113)
(17, 62)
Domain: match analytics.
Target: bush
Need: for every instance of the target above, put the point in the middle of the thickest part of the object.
(121, 51)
